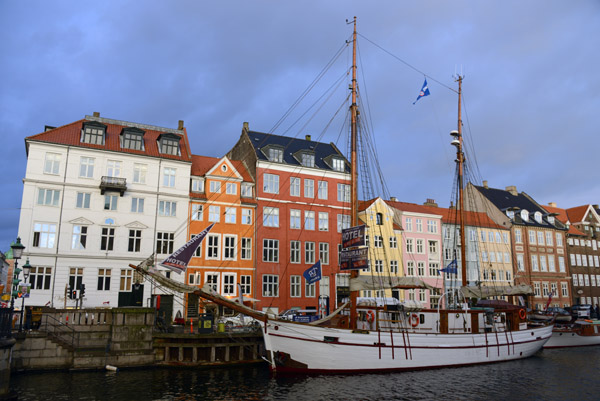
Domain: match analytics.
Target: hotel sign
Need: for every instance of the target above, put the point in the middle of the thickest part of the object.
(353, 236)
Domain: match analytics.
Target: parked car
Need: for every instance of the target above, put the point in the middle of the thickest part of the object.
(288, 314)
(239, 321)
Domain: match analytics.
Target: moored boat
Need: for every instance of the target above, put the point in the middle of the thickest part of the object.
(580, 333)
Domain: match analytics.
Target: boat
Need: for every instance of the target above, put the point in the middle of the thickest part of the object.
(384, 337)
(580, 333)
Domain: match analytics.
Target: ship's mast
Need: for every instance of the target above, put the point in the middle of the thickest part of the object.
(354, 172)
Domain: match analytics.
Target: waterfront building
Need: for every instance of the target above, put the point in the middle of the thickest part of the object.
(303, 202)
(583, 251)
(538, 239)
(384, 240)
(221, 192)
(421, 248)
(100, 194)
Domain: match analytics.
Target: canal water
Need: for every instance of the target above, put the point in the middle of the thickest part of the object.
(561, 374)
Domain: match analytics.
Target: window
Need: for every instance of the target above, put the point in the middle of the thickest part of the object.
(484, 256)
(270, 250)
(393, 266)
(197, 212)
(229, 247)
(543, 266)
(393, 242)
(540, 240)
(271, 183)
(110, 202)
(309, 289)
(420, 247)
(309, 188)
(295, 286)
(408, 224)
(419, 225)
(295, 218)
(231, 188)
(86, 167)
(409, 245)
(103, 280)
(294, 186)
(531, 237)
(276, 155)
(246, 216)
(52, 163)
(107, 239)
(246, 248)
(343, 193)
(323, 221)
(197, 185)
(83, 200)
(169, 145)
(322, 190)
(490, 236)
(230, 215)
(167, 208)
(48, 197)
(79, 237)
(518, 236)
(169, 177)
(545, 292)
(137, 205)
(505, 237)
(338, 164)
(433, 247)
(536, 289)
(548, 238)
(295, 252)
(135, 240)
(245, 284)
(75, 277)
(214, 214)
(410, 268)
(378, 241)
(421, 268)
(576, 281)
(564, 289)
(378, 266)
(559, 239)
(343, 222)
(270, 285)
(308, 160)
(93, 134)
(212, 246)
(309, 220)
(125, 280)
(324, 253)
(534, 263)
(215, 186)
(139, 173)
(434, 269)
(133, 139)
(309, 252)
(164, 242)
(40, 278)
(44, 235)
(113, 168)
(432, 226)
(270, 216)
(229, 284)
(551, 265)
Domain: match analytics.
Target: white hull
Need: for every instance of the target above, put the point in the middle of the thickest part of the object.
(294, 347)
(573, 338)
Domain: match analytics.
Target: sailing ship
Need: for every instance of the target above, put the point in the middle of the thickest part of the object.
(402, 336)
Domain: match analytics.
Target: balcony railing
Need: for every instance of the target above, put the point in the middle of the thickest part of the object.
(113, 184)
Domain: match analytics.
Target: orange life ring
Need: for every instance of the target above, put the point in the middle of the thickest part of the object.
(370, 316)
(414, 320)
(522, 314)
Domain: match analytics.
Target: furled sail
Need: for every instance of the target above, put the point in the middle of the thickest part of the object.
(362, 283)
(486, 292)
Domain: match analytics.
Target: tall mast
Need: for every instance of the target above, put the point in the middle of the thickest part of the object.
(460, 159)
(354, 173)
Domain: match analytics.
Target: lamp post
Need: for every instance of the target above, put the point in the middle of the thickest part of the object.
(26, 271)
(17, 250)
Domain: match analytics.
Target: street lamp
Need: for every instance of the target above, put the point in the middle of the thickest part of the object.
(17, 251)
(26, 271)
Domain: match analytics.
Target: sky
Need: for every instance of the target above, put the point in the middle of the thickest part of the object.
(531, 83)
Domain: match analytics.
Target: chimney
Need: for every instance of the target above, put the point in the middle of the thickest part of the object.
(485, 184)
(430, 202)
(307, 137)
(393, 199)
(48, 128)
(512, 189)
(96, 114)
(552, 204)
(245, 127)
(180, 125)
(595, 207)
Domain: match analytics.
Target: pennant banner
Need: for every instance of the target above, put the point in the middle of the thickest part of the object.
(179, 259)
(313, 273)
(424, 92)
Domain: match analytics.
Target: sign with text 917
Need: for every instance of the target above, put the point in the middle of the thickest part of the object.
(353, 236)
(354, 259)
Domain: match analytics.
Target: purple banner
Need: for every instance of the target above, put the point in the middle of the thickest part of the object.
(179, 259)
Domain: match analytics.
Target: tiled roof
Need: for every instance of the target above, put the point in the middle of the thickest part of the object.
(70, 134)
(292, 147)
(577, 214)
(202, 164)
(412, 207)
(563, 217)
(474, 219)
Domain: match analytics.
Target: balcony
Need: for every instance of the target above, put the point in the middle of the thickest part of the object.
(113, 184)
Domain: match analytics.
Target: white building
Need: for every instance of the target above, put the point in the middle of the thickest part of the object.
(98, 195)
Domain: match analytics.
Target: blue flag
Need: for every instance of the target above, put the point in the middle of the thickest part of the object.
(313, 273)
(451, 268)
(424, 91)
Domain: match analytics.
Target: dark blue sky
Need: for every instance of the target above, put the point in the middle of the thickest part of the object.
(531, 82)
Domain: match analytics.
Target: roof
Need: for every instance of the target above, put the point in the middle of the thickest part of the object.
(577, 214)
(563, 217)
(474, 219)
(70, 135)
(292, 147)
(413, 207)
(203, 164)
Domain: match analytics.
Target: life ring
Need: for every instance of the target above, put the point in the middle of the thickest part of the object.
(370, 316)
(414, 320)
(522, 314)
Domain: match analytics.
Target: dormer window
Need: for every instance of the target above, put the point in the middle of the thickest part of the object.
(308, 160)
(197, 185)
(93, 133)
(510, 214)
(551, 219)
(132, 138)
(169, 144)
(338, 164)
(275, 155)
(538, 217)
(525, 215)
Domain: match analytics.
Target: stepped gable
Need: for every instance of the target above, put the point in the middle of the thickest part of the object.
(292, 147)
(70, 135)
